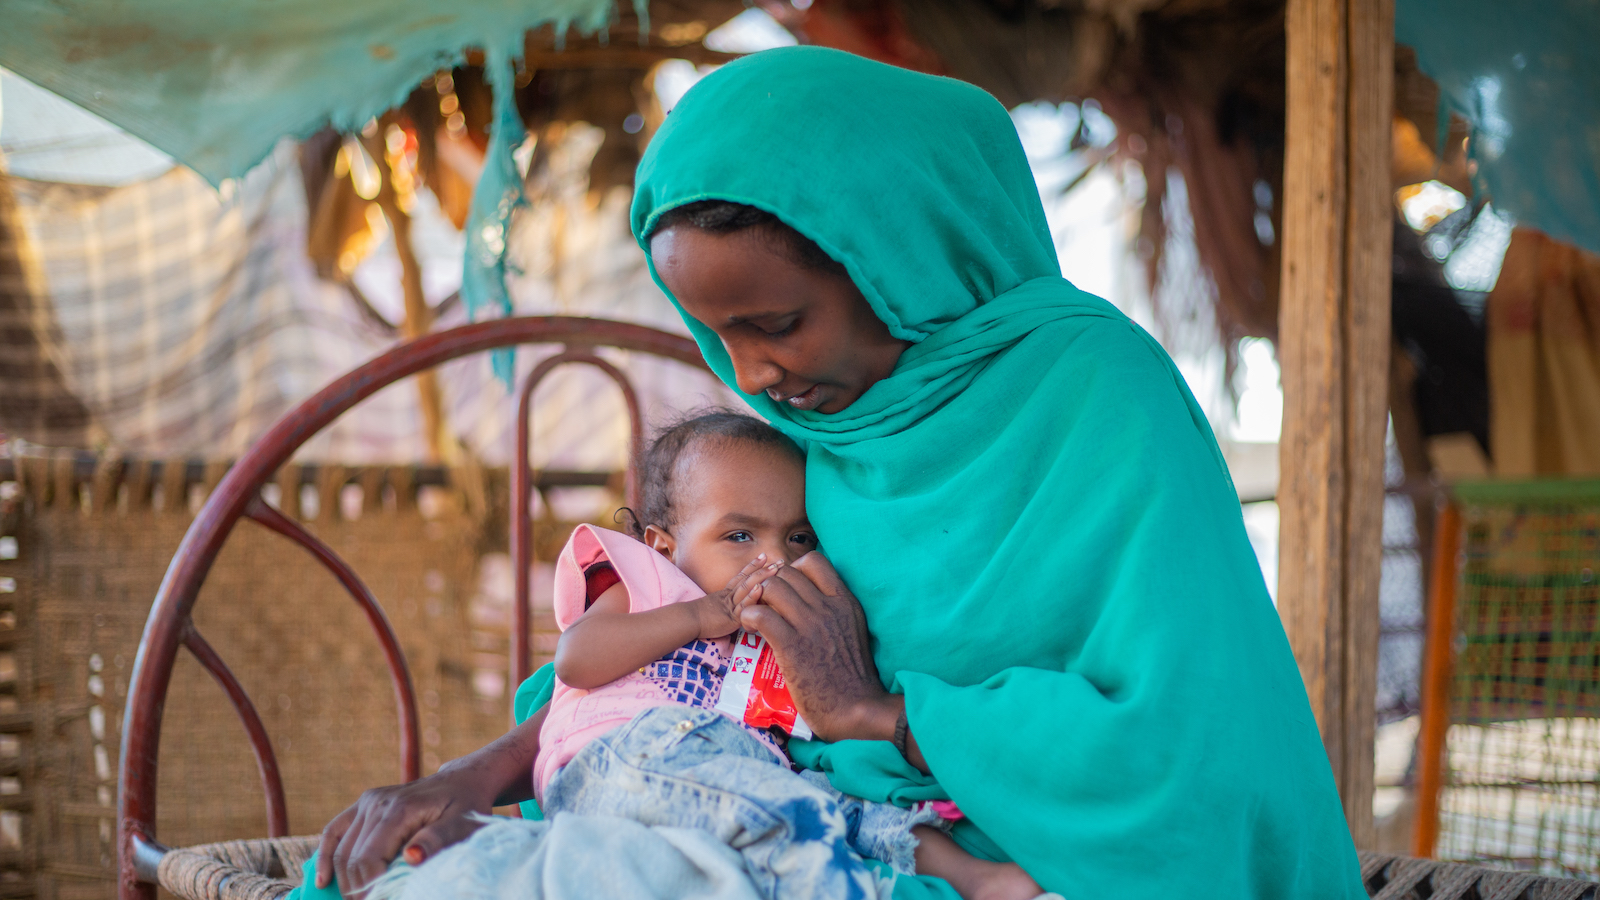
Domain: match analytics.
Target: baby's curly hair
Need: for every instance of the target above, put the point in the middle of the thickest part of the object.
(658, 468)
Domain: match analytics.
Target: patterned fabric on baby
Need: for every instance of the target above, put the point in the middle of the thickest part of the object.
(691, 675)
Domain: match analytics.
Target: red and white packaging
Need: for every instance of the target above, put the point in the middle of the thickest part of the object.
(754, 689)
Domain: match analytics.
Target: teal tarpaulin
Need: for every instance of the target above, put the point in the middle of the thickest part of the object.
(1527, 76)
(215, 83)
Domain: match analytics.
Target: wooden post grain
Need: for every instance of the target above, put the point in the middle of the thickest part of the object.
(1334, 352)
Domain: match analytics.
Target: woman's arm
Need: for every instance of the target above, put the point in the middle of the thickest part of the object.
(429, 814)
(818, 632)
(607, 641)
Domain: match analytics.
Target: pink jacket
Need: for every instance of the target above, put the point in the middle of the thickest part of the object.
(576, 716)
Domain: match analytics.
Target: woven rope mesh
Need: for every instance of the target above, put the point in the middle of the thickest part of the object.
(1524, 739)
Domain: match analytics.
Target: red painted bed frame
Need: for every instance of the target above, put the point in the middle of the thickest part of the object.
(238, 496)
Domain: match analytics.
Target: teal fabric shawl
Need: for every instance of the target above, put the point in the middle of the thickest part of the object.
(1031, 507)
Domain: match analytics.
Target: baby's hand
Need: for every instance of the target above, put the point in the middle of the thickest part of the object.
(749, 584)
(719, 612)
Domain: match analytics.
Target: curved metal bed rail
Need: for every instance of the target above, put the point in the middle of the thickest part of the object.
(522, 501)
(237, 496)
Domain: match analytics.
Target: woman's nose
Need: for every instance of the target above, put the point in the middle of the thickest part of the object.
(754, 373)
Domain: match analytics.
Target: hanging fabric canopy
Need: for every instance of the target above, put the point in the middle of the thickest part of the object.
(1527, 78)
(216, 84)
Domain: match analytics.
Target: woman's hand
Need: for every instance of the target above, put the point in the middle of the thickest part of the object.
(819, 634)
(424, 816)
(428, 815)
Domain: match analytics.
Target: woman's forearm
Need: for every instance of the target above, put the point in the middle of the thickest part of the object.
(877, 719)
(502, 772)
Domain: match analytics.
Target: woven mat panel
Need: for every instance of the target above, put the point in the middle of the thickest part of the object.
(89, 557)
(1389, 877)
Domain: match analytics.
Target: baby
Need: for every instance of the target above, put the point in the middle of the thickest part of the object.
(646, 626)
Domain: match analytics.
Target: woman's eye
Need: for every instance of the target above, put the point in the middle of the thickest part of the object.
(780, 332)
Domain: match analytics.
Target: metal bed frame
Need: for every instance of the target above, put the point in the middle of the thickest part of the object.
(237, 496)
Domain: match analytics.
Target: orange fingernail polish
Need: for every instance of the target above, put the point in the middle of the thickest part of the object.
(414, 855)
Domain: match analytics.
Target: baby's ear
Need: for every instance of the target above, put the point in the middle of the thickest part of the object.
(657, 539)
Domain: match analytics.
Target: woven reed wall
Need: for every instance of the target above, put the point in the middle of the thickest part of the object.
(89, 556)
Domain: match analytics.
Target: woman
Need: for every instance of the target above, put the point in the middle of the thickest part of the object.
(1065, 630)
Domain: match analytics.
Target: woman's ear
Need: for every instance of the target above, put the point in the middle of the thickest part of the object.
(657, 539)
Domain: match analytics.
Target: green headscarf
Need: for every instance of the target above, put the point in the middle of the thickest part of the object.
(1031, 507)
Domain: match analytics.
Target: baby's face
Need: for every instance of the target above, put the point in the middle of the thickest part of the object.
(733, 500)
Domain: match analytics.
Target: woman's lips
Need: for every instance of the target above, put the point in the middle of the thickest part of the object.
(810, 398)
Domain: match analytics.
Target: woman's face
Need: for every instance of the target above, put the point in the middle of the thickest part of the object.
(806, 338)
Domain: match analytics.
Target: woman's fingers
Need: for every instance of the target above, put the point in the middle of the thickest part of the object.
(779, 593)
(385, 823)
(804, 589)
(765, 621)
(346, 848)
(821, 572)
(329, 845)
(442, 833)
(364, 861)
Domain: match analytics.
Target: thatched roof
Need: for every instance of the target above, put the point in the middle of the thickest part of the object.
(1195, 86)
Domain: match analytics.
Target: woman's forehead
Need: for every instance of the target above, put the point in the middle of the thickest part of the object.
(726, 279)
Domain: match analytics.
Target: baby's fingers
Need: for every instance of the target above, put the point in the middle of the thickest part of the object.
(751, 566)
(751, 582)
(745, 597)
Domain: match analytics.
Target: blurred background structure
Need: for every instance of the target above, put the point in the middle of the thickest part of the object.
(186, 252)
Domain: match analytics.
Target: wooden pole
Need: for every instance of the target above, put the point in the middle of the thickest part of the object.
(418, 317)
(1436, 665)
(1334, 352)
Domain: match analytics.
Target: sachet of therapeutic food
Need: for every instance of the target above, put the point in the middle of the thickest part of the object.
(754, 689)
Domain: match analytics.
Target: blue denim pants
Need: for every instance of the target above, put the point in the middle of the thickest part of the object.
(695, 768)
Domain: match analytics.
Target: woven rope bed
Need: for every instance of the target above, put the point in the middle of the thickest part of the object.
(262, 869)
(236, 870)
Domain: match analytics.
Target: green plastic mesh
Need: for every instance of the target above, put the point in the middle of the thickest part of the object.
(1524, 739)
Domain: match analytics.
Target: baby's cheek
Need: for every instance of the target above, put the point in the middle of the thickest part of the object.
(711, 571)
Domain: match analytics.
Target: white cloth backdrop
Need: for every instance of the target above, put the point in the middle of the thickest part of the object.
(192, 319)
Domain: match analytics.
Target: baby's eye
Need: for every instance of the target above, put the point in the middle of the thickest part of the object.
(741, 537)
(803, 538)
